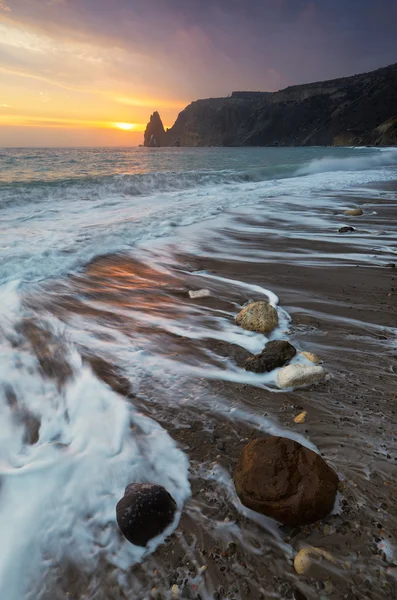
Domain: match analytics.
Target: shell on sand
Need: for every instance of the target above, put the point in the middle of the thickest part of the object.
(199, 294)
(305, 559)
(311, 357)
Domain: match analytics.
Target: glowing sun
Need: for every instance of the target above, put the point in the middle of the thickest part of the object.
(125, 126)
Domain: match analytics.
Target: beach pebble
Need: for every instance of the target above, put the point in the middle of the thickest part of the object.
(311, 357)
(354, 212)
(199, 294)
(297, 375)
(144, 512)
(301, 418)
(275, 354)
(258, 316)
(346, 229)
(282, 479)
(310, 562)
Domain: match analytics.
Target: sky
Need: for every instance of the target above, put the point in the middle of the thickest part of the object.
(90, 72)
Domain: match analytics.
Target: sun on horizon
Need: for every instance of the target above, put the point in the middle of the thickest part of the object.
(125, 126)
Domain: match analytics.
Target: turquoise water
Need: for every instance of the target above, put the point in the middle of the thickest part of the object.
(45, 165)
(59, 208)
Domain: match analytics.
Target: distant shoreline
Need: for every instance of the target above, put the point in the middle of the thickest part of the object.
(351, 111)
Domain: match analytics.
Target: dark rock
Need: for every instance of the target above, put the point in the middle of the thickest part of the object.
(286, 481)
(155, 133)
(298, 595)
(275, 354)
(346, 229)
(357, 110)
(144, 512)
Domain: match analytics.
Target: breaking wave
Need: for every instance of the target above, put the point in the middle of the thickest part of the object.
(386, 158)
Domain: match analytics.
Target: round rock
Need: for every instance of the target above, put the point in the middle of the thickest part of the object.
(258, 316)
(275, 354)
(144, 512)
(297, 375)
(285, 481)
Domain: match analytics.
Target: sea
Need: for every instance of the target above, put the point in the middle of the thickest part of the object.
(98, 251)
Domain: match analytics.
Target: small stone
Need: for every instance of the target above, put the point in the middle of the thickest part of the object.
(275, 354)
(282, 479)
(308, 562)
(199, 294)
(175, 591)
(297, 375)
(300, 418)
(327, 530)
(144, 512)
(311, 357)
(298, 595)
(258, 316)
(346, 229)
(354, 212)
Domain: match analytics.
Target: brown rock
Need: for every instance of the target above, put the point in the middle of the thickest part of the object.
(258, 316)
(286, 481)
(354, 212)
(144, 512)
(275, 354)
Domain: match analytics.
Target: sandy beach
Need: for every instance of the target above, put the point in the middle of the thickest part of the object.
(338, 292)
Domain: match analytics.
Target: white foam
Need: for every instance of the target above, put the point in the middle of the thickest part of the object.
(66, 232)
(388, 158)
(58, 497)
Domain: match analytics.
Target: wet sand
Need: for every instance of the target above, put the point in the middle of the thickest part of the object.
(340, 292)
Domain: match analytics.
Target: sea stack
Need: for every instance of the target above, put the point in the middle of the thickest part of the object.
(155, 133)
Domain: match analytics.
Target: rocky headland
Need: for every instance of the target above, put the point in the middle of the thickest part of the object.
(351, 111)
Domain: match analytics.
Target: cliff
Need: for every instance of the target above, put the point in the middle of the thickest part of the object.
(357, 110)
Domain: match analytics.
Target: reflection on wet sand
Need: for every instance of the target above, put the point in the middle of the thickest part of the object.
(132, 320)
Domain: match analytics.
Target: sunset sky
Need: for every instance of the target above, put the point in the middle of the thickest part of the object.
(90, 72)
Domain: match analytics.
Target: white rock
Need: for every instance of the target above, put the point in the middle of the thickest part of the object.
(297, 375)
(199, 293)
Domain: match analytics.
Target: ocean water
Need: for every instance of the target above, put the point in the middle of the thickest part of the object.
(61, 210)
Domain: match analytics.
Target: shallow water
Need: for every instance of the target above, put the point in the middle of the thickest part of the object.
(99, 249)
